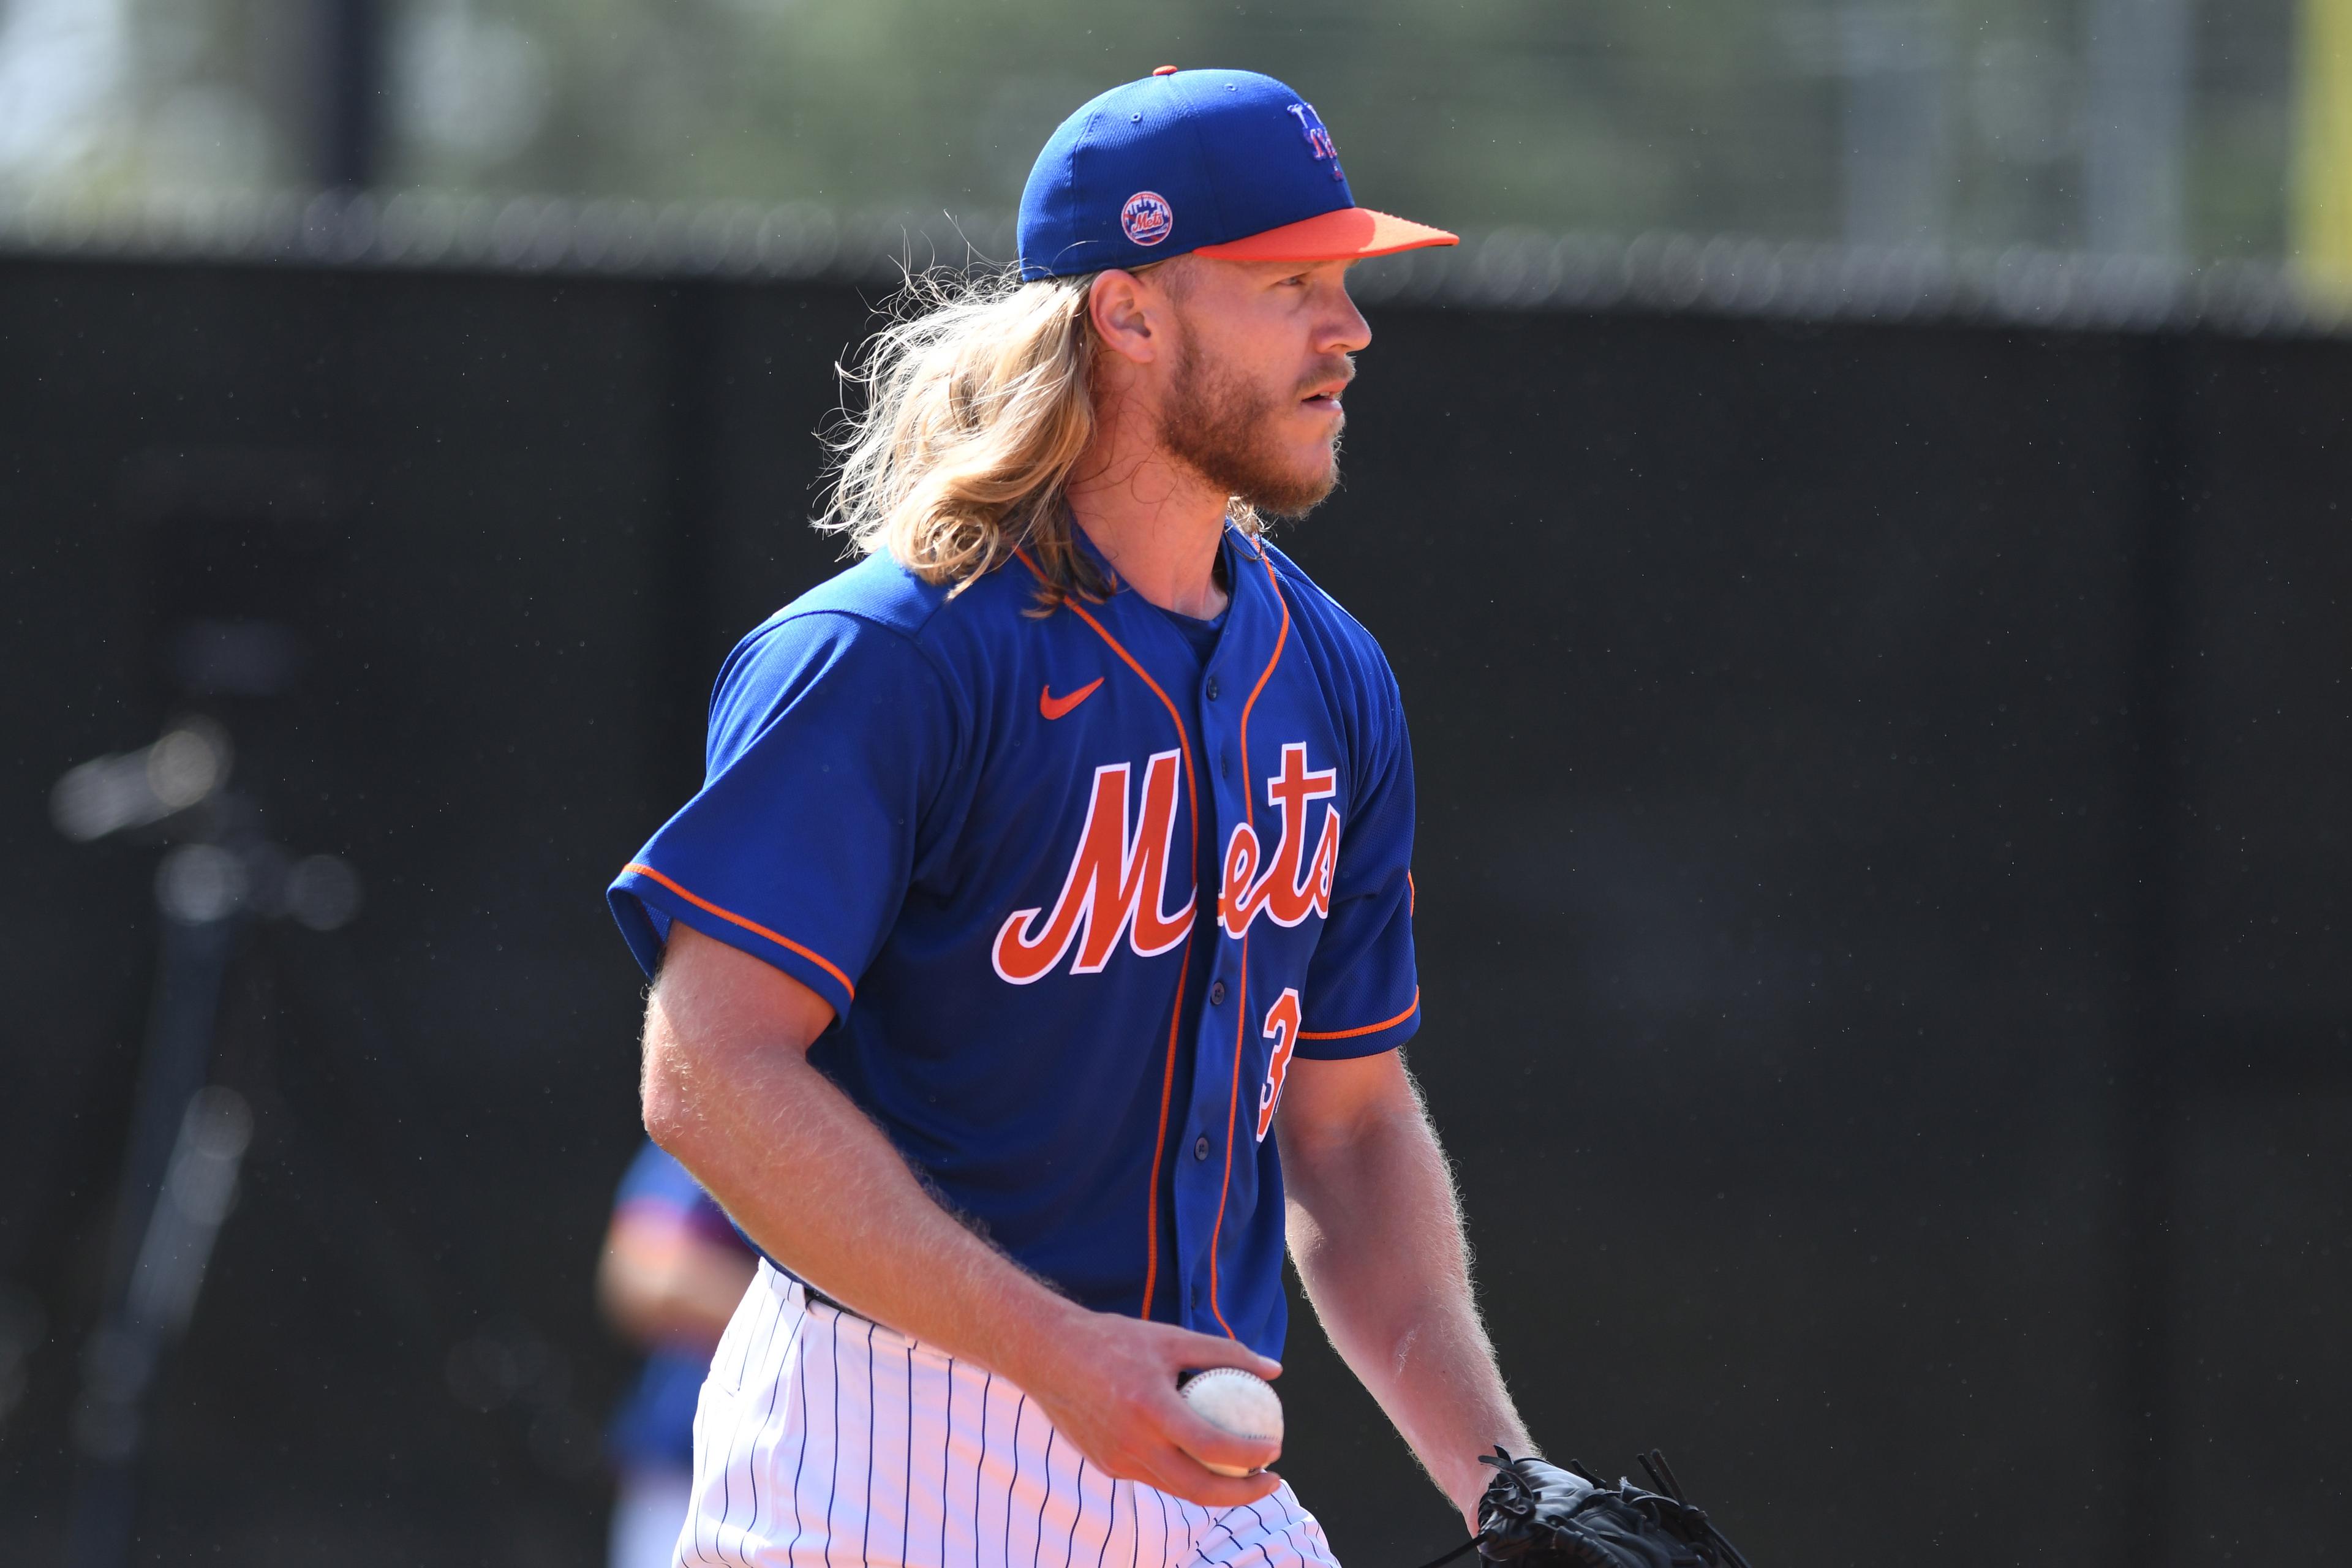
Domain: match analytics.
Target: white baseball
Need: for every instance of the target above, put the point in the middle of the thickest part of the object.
(1237, 1402)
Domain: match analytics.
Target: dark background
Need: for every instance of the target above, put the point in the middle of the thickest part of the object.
(1884, 862)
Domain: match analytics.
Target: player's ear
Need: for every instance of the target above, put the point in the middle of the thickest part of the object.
(1127, 314)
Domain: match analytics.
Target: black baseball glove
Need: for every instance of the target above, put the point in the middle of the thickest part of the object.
(1540, 1516)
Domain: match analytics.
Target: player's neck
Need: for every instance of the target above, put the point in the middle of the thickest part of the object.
(1155, 520)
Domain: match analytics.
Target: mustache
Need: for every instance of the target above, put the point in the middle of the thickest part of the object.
(1341, 369)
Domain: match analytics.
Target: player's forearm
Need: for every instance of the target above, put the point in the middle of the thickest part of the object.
(1377, 1240)
(822, 1191)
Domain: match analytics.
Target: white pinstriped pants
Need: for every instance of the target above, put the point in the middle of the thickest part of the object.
(823, 1440)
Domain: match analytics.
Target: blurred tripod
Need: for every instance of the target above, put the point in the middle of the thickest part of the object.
(188, 1135)
(226, 563)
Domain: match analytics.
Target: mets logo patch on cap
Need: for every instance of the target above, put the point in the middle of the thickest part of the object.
(1146, 218)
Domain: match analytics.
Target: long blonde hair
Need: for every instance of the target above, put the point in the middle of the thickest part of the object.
(979, 402)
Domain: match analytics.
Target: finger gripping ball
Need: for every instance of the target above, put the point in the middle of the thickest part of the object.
(1237, 1402)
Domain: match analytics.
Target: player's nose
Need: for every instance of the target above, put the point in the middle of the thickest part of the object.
(1344, 331)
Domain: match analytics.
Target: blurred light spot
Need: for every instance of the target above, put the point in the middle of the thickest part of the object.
(198, 884)
(467, 85)
(63, 64)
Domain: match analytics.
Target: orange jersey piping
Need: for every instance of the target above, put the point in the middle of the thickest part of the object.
(1367, 1030)
(1241, 1002)
(752, 926)
(1183, 970)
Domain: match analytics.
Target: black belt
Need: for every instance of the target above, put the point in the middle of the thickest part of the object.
(819, 1297)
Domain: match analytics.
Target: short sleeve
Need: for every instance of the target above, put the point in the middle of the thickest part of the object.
(1363, 994)
(829, 737)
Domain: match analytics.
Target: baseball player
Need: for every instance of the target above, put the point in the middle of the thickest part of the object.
(1033, 964)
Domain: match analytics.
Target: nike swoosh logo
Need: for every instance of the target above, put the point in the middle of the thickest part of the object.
(1054, 707)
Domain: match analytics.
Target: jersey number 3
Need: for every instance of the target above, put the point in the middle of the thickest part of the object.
(1282, 1028)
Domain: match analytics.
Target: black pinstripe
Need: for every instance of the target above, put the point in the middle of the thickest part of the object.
(832, 1338)
(800, 1376)
(1322, 1545)
(767, 1421)
(1110, 1526)
(1045, 1495)
(751, 1469)
(979, 1468)
(775, 1336)
(1006, 1554)
(726, 1486)
(690, 1548)
(1197, 1535)
(907, 1486)
(1200, 1554)
(726, 1476)
(1292, 1542)
(752, 1473)
(1262, 1533)
(946, 1433)
(872, 1420)
(1318, 1546)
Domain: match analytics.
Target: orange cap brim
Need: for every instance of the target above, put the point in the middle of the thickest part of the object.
(1332, 236)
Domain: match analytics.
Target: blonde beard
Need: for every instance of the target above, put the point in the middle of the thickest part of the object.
(1216, 424)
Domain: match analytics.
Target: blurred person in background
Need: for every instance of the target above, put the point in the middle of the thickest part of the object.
(673, 1272)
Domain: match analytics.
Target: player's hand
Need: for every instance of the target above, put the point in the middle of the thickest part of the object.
(1108, 1385)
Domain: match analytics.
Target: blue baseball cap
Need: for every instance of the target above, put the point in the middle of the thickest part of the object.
(1212, 163)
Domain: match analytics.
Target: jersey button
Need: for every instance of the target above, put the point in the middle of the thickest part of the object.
(1213, 688)
(1217, 994)
(1200, 1147)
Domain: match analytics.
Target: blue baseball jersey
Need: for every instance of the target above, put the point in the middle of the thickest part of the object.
(1079, 887)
